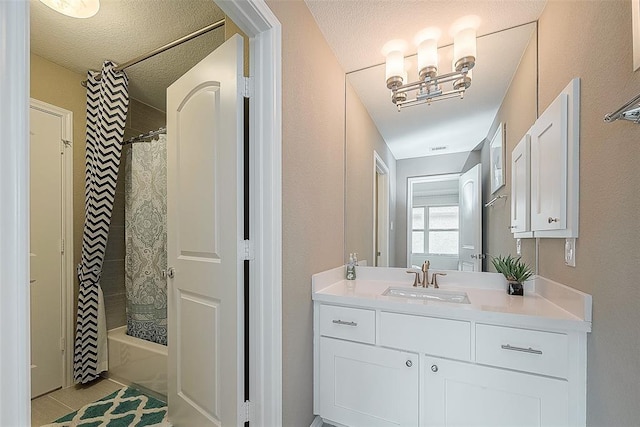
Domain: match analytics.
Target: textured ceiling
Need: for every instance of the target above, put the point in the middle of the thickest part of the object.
(356, 31)
(123, 30)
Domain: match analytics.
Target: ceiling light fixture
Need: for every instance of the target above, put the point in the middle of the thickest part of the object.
(429, 86)
(74, 8)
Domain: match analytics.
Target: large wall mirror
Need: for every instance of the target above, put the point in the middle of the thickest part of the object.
(407, 198)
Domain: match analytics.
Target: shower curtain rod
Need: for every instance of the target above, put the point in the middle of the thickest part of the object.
(142, 136)
(166, 47)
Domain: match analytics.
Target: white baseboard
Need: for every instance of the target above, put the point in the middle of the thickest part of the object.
(317, 422)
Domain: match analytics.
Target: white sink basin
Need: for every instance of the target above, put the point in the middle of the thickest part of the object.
(428, 294)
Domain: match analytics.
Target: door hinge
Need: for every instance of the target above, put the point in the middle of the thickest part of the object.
(62, 344)
(246, 250)
(247, 87)
(247, 411)
(62, 246)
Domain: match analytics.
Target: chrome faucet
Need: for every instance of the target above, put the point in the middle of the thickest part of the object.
(434, 279)
(425, 274)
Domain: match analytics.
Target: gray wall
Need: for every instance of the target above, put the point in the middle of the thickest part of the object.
(423, 166)
(312, 191)
(518, 112)
(362, 138)
(593, 41)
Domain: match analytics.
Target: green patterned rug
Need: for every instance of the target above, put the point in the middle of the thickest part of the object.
(124, 408)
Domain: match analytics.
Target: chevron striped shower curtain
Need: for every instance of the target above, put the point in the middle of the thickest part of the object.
(107, 104)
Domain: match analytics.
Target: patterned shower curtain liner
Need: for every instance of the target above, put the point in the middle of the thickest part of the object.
(146, 240)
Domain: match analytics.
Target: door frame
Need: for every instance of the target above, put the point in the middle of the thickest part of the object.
(68, 269)
(380, 213)
(264, 30)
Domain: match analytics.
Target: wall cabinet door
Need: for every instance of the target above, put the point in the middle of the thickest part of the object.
(555, 141)
(521, 188)
(549, 168)
(464, 394)
(363, 385)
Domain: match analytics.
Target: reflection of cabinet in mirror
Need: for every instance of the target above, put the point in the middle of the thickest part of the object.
(521, 189)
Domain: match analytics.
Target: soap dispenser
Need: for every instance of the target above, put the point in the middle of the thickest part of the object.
(351, 268)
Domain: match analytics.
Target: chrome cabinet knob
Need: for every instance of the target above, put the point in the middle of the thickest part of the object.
(553, 220)
(434, 368)
(409, 363)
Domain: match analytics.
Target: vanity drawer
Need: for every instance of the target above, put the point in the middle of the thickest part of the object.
(353, 324)
(538, 352)
(429, 335)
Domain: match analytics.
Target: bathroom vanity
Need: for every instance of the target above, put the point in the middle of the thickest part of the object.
(464, 354)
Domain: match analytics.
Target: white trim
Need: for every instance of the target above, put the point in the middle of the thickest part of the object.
(15, 387)
(257, 21)
(68, 270)
(380, 168)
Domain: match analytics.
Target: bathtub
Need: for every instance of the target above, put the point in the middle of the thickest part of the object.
(137, 362)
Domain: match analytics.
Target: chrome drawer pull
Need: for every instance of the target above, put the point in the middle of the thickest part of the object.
(342, 322)
(524, 350)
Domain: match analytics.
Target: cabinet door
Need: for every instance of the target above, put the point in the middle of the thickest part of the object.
(521, 187)
(362, 385)
(463, 394)
(549, 167)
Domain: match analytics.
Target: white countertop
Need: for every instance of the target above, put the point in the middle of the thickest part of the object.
(546, 304)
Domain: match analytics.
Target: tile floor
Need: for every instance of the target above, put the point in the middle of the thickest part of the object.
(54, 405)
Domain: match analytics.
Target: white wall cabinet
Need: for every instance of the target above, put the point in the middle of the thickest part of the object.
(382, 368)
(553, 171)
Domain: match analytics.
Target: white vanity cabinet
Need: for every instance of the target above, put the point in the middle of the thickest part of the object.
(357, 384)
(466, 394)
(364, 385)
(377, 367)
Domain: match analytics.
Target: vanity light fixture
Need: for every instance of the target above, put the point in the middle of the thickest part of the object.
(429, 86)
(74, 8)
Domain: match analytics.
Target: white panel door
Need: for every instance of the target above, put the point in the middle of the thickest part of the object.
(462, 394)
(204, 225)
(549, 167)
(46, 263)
(471, 219)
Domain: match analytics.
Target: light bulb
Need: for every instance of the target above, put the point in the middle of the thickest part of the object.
(464, 49)
(394, 66)
(427, 42)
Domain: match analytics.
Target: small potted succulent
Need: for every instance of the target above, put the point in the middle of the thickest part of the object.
(515, 270)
